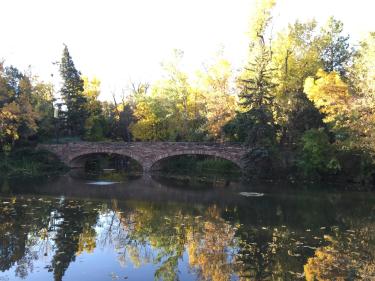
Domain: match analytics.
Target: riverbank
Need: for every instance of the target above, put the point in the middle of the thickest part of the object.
(28, 162)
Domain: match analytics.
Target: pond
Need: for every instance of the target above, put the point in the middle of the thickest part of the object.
(153, 228)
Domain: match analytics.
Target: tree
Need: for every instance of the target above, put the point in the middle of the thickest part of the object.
(20, 118)
(42, 102)
(95, 123)
(218, 101)
(172, 110)
(335, 49)
(257, 93)
(295, 56)
(317, 156)
(72, 93)
(124, 115)
(8, 129)
(362, 74)
(362, 85)
(331, 97)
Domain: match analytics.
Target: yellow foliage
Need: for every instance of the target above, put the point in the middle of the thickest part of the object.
(91, 88)
(8, 125)
(87, 241)
(219, 102)
(261, 17)
(315, 269)
(207, 248)
(330, 95)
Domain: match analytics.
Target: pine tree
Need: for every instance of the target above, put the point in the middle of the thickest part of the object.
(72, 94)
(257, 98)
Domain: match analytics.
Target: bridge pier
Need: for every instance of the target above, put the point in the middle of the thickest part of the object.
(146, 169)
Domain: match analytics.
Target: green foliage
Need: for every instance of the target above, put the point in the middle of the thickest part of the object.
(183, 108)
(96, 130)
(27, 162)
(257, 95)
(357, 166)
(259, 163)
(24, 107)
(294, 83)
(198, 164)
(317, 154)
(335, 49)
(295, 56)
(236, 129)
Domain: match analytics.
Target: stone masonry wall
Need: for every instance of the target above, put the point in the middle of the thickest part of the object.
(146, 153)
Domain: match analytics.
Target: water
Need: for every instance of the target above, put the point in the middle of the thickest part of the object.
(146, 229)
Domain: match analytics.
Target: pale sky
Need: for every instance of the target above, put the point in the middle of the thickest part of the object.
(122, 40)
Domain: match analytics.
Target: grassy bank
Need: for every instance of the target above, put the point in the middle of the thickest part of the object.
(28, 162)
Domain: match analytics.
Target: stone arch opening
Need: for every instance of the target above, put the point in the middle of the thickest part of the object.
(114, 160)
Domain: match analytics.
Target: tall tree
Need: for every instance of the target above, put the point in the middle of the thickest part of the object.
(20, 118)
(257, 92)
(72, 94)
(335, 49)
(256, 96)
(95, 123)
(219, 100)
(362, 80)
(124, 113)
(295, 57)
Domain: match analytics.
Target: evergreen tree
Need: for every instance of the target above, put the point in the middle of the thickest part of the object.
(73, 96)
(257, 98)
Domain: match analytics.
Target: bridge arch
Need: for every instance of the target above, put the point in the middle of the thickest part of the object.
(165, 156)
(77, 160)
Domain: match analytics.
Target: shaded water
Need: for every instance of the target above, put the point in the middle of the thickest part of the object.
(145, 228)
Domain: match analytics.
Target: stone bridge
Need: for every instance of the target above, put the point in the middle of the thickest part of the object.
(145, 153)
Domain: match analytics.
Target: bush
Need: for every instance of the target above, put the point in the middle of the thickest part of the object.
(30, 162)
(317, 156)
(198, 164)
(259, 163)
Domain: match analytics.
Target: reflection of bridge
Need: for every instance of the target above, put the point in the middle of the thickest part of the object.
(145, 153)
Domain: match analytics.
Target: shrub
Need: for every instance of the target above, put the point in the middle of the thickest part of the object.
(317, 156)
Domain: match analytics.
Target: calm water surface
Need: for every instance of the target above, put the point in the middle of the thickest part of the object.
(147, 229)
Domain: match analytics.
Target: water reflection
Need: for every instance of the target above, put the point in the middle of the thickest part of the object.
(221, 236)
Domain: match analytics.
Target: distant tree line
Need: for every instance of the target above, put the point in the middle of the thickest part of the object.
(304, 101)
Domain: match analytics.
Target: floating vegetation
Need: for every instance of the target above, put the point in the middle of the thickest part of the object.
(103, 182)
(251, 194)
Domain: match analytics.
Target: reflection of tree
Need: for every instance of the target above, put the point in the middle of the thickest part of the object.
(348, 256)
(208, 246)
(19, 224)
(221, 242)
(31, 229)
(266, 253)
(168, 231)
(87, 240)
(163, 230)
(74, 234)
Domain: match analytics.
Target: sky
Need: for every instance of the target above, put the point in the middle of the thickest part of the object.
(119, 41)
